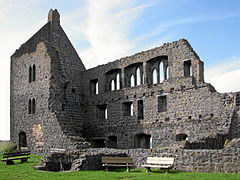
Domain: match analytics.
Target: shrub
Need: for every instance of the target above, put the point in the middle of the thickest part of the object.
(8, 147)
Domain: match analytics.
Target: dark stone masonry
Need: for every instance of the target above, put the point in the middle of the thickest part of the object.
(155, 99)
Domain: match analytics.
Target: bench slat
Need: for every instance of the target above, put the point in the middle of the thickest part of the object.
(118, 165)
(160, 160)
(115, 160)
(156, 166)
(14, 155)
(14, 159)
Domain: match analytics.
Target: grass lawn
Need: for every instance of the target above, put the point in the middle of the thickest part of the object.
(26, 172)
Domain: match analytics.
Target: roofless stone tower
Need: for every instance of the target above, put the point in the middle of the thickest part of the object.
(42, 114)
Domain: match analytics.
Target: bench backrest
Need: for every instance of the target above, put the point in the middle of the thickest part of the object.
(116, 160)
(14, 154)
(160, 160)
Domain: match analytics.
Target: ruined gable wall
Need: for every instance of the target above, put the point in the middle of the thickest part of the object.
(44, 129)
(193, 107)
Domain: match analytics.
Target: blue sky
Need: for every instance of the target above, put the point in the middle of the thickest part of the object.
(106, 30)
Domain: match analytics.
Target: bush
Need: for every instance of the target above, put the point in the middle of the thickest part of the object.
(8, 147)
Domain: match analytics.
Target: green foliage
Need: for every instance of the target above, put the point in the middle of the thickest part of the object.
(8, 147)
(25, 171)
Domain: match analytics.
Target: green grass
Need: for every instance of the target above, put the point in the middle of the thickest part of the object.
(25, 171)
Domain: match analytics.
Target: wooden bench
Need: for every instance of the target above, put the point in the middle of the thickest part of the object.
(108, 161)
(159, 162)
(9, 157)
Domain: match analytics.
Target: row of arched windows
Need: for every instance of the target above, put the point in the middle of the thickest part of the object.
(115, 83)
(162, 75)
(31, 106)
(32, 73)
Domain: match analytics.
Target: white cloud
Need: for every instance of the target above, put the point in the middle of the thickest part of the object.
(16, 28)
(225, 77)
(106, 30)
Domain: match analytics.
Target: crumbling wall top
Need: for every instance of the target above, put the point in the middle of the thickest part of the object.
(54, 16)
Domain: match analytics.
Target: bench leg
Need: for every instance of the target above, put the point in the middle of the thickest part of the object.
(128, 169)
(9, 162)
(167, 170)
(107, 169)
(148, 169)
(23, 160)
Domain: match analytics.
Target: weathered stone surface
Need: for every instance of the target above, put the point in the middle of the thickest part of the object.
(105, 106)
(185, 160)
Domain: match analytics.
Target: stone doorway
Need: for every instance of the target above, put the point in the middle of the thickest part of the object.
(22, 140)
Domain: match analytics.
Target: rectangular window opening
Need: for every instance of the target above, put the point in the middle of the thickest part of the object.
(94, 86)
(127, 109)
(187, 68)
(102, 111)
(162, 103)
(140, 109)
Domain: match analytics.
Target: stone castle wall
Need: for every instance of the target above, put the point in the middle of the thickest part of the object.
(72, 103)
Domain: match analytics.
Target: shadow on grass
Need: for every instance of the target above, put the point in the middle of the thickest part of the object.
(161, 171)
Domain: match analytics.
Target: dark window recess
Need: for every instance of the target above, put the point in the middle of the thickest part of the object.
(111, 142)
(22, 139)
(140, 109)
(187, 68)
(142, 141)
(98, 143)
(73, 90)
(30, 75)
(31, 106)
(181, 137)
(172, 90)
(94, 86)
(34, 73)
(101, 111)
(162, 103)
(126, 108)
(189, 117)
(63, 107)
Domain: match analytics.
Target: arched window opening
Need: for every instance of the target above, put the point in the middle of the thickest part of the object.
(138, 76)
(96, 87)
(132, 81)
(105, 113)
(112, 85)
(181, 137)
(34, 73)
(151, 143)
(142, 141)
(154, 74)
(33, 105)
(131, 110)
(118, 81)
(167, 73)
(161, 72)
(22, 139)
(30, 75)
(29, 106)
(190, 70)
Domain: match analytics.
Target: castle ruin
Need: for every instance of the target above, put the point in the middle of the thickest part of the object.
(152, 99)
